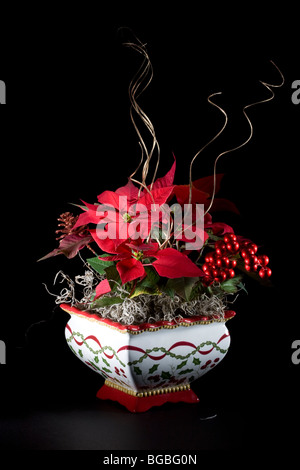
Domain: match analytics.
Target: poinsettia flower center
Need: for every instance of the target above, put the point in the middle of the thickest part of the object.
(126, 217)
(138, 255)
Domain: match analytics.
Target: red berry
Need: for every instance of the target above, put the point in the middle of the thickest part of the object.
(244, 244)
(226, 261)
(205, 267)
(231, 273)
(207, 280)
(233, 247)
(219, 262)
(263, 260)
(223, 275)
(230, 237)
(210, 258)
(232, 263)
(251, 266)
(253, 247)
(265, 273)
(215, 273)
(251, 260)
(244, 254)
(220, 247)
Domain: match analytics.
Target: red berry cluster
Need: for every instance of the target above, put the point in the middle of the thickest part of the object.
(253, 262)
(219, 264)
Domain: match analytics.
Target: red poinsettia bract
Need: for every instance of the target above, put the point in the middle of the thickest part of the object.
(130, 255)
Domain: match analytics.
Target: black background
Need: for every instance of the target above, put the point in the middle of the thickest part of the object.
(66, 135)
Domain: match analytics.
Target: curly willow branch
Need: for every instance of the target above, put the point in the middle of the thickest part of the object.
(137, 86)
(204, 147)
(268, 86)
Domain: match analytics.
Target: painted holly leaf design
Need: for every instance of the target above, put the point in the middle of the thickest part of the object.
(196, 361)
(91, 364)
(137, 370)
(165, 375)
(185, 371)
(105, 361)
(153, 368)
(182, 364)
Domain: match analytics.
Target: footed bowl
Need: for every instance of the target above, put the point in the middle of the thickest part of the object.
(149, 364)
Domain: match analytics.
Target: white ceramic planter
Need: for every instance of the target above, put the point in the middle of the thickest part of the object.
(148, 360)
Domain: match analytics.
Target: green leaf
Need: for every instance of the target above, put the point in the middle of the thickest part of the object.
(153, 368)
(197, 291)
(99, 265)
(151, 279)
(196, 361)
(214, 237)
(106, 370)
(113, 277)
(139, 290)
(106, 301)
(231, 285)
(80, 206)
(147, 285)
(241, 286)
(182, 286)
(168, 290)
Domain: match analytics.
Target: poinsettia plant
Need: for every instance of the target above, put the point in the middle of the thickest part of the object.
(145, 258)
(157, 245)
